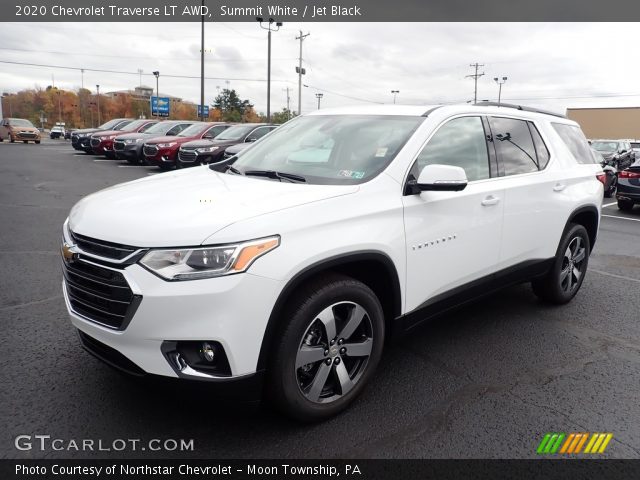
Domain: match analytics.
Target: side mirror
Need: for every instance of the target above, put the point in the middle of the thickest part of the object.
(208, 136)
(442, 178)
(251, 139)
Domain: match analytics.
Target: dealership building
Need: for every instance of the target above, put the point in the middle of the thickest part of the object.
(614, 123)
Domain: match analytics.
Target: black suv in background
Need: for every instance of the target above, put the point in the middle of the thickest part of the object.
(618, 151)
(129, 146)
(80, 138)
(204, 151)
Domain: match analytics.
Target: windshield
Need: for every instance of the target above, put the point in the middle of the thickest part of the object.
(122, 124)
(193, 130)
(331, 150)
(161, 128)
(110, 124)
(20, 122)
(605, 146)
(133, 126)
(235, 133)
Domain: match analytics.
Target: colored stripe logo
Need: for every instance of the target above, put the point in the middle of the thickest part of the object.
(574, 443)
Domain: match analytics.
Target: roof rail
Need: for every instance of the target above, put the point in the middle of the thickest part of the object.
(519, 107)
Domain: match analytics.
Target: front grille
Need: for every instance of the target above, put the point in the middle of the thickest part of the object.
(100, 294)
(114, 251)
(28, 134)
(187, 155)
(95, 142)
(84, 142)
(118, 145)
(150, 150)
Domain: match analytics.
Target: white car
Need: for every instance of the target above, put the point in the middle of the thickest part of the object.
(287, 273)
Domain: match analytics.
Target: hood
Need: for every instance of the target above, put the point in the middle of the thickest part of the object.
(167, 139)
(198, 143)
(134, 135)
(24, 129)
(106, 133)
(186, 207)
(85, 131)
(233, 149)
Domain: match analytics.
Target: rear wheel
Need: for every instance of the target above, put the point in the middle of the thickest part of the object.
(569, 268)
(25, 141)
(613, 187)
(328, 348)
(625, 205)
(37, 142)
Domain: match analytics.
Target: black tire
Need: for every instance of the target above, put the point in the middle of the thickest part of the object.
(336, 294)
(37, 142)
(561, 283)
(613, 187)
(164, 167)
(625, 205)
(25, 141)
(12, 140)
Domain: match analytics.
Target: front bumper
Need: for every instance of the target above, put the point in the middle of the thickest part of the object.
(213, 309)
(21, 137)
(163, 156)
(127, 150)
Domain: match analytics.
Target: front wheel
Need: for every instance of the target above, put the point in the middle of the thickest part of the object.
(328, 348)
(569, 268)
(37, 142)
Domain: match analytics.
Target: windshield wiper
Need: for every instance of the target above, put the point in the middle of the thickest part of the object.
(276, 175)
(232, 169)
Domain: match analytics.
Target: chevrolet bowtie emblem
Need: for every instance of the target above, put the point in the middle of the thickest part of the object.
(68, 253)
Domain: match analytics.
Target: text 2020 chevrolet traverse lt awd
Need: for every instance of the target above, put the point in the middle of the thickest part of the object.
(287, 273)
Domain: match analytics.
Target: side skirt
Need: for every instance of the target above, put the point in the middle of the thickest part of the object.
(471, 292)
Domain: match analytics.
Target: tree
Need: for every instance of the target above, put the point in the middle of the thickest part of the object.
(233, 109)
(283, 116)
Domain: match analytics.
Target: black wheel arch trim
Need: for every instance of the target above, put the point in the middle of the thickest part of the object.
(308, 272)
(590, 209)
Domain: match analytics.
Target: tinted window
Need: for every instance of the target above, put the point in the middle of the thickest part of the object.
(576, 142)
(460, 142)
(514, 145)
(541, 149)
(259, 133)
(217, 130)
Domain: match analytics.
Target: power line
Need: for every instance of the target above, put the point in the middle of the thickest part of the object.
(345, 96)
(121, 72)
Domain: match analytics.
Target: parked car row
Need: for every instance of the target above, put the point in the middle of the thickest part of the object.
(168, 144)
(620, 160)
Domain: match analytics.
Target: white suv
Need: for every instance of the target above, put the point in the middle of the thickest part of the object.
(289, 271)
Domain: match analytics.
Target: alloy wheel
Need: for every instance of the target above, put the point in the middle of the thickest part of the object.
(573, 265)
(334, 352)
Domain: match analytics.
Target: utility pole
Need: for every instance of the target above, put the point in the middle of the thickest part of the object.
(475, 77)
(82, 77)
(140, 75)
(319, 97)
(288, 103)
(270, 28)
(395, 92)
(59, 107)
(157, 75)
(202, 66)
(301, 71)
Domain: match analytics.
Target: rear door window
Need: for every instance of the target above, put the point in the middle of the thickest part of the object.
(514, 145)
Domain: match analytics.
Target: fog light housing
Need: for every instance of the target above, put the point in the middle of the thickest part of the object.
(199, 358)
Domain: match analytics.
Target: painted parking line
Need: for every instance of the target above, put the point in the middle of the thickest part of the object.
(621, 277)
(609, 204)
(102, 160)
(622, 218)
(133, 166)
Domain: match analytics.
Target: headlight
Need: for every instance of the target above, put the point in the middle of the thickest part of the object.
(206, 149)
(129, 141)
(207, 262)
(110, 137)
(167, 145)
(139, 140)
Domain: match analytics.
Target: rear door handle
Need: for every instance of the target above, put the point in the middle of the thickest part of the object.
(490, 200)
(559, 187)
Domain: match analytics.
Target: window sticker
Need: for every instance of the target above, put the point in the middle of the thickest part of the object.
(381, 152)
(351, 174)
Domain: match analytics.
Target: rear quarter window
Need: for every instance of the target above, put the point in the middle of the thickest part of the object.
(575, 141)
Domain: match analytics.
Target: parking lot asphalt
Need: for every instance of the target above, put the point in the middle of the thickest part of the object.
(484, 382)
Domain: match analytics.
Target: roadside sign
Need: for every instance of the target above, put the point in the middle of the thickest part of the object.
(160, 106)
(206, 110)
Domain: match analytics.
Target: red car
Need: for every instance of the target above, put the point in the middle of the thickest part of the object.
(163, 151)
(102, 142)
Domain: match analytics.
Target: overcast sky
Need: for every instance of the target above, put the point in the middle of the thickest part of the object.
(547, 65)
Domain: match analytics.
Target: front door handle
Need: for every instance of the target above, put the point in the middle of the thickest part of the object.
(490, 200)
(559, 187)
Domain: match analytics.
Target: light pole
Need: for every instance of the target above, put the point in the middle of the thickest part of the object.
(319, 97)
(157, 75)
(395, 92)
(98, 100)
(59, 107)
(270, 28)
(202, 67)
(500, 82)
